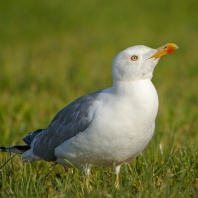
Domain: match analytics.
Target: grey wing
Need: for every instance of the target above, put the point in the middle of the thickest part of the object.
(66, 124)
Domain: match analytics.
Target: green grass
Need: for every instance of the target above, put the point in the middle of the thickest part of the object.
(52, 52)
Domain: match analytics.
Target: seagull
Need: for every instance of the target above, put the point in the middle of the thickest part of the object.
(109, 127)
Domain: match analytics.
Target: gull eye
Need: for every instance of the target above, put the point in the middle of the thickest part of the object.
(134, 58)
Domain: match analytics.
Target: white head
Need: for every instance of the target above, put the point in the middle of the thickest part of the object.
(138, 62)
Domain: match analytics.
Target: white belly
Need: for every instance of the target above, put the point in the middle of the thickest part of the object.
(121, 128)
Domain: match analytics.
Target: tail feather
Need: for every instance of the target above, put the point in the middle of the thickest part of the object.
(25, 150)
(29, 156)
(15, 149)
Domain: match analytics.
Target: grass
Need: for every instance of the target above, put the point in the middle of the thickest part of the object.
(52, 52)
(162, 174)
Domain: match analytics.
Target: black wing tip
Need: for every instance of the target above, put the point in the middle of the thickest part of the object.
(3, 148)
(15, 149)
(22, 147)
(29, 137)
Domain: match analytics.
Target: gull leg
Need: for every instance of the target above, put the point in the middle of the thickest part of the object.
(117, 171)
(87, 177)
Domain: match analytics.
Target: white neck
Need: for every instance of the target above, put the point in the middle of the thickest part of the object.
(129, 87)
(141, 94)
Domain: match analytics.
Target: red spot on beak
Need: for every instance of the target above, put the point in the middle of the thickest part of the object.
(170, 49)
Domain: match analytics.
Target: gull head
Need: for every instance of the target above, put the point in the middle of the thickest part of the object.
(138, 62)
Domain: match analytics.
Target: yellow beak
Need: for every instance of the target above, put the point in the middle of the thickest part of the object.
(165, 49)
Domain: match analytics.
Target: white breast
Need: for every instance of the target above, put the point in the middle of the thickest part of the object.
(122, 126)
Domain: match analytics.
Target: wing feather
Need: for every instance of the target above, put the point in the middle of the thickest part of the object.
(71, 120)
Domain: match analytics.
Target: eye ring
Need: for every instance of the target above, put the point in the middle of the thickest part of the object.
(134, 58)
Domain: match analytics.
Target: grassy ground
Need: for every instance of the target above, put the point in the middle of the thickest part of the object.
(51, 52)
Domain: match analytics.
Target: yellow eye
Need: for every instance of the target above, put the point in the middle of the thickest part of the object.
(134, 58)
